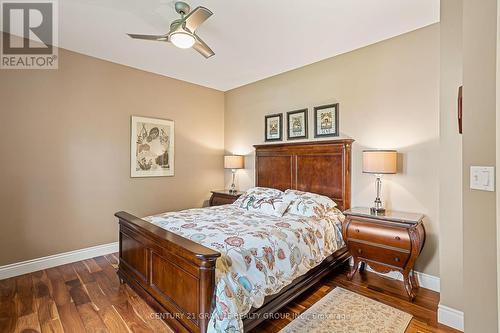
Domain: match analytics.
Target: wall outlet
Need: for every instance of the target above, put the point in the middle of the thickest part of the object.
(482, 178)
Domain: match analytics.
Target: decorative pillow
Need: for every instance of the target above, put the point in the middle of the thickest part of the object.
(309, 204)
(264, 200)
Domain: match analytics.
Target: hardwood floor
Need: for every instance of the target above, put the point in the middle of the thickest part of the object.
(86, 296)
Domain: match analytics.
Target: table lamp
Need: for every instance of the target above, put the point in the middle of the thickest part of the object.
(233, 162)
(379, 162)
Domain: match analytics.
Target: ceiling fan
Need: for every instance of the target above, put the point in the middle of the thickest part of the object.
(182, 31)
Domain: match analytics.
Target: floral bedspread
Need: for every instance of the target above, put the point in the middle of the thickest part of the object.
(260, 254)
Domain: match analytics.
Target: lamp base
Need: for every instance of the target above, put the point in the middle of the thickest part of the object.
(377, 211)
(232, 189)
(378, 208)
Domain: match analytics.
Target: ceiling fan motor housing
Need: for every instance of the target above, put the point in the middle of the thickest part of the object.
(182, 8)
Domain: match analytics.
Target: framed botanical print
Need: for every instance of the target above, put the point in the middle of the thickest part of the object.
(296, 124)
(326, 120)
(152, 147)
(274, 127)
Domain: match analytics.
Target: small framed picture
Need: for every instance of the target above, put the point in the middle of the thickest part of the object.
(326, 120)
(274, 127)
(152, 147)
(297, 124)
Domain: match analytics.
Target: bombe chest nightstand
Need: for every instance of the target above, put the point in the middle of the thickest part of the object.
(389, 242)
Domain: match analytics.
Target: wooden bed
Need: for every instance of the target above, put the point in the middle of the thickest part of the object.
(176, 276)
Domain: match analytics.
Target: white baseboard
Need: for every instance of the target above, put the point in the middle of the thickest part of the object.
(450, 317)
(425, 280)
(34, 265)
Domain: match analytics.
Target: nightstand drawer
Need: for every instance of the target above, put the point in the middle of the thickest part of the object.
(379, 254)
(376, 233)
(217, 201)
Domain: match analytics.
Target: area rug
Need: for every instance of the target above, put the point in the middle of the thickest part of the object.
(344, 311)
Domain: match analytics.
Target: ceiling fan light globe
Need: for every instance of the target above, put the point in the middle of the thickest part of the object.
(182, 40)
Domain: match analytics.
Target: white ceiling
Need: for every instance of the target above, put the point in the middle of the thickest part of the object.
(252, 39)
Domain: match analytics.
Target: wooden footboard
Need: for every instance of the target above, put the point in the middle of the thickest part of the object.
(175, 275)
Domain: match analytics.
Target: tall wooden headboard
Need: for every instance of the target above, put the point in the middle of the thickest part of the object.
(322, 167)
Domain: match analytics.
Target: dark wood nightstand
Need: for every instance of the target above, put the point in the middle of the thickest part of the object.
(389, 242)
(223, 197)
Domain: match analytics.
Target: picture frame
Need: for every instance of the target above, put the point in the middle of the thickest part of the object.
(326, 120)
(273, 126)
(297, 125)
(152, 147)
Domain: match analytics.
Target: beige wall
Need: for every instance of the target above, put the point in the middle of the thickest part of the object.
(450, 157)
(497, 177)
(389, 98)
(479, 148)
(65, 143)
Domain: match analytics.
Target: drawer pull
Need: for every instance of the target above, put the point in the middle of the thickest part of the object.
(360, 251)
(397, 238)
(357, 230)
(397, 259)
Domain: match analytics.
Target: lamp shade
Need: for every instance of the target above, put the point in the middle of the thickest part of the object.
(234, 162)
(380, 161)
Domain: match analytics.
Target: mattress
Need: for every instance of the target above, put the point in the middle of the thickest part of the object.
(260, 254)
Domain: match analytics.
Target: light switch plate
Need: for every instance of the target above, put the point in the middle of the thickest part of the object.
(482, 178)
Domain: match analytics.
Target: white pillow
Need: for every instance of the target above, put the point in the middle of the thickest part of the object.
(309, 204)
(264, 200)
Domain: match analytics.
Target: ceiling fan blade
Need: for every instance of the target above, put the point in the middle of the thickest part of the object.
(150, 37)
(202, 48)
(196, 17)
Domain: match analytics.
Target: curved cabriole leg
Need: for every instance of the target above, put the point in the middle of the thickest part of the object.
(354, 269)
(411, 283)
(407, 279)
